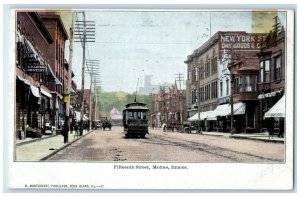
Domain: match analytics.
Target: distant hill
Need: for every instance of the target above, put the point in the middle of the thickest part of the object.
(118, 100)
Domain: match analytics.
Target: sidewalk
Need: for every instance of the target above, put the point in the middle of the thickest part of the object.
(250, 136)
(42, 148)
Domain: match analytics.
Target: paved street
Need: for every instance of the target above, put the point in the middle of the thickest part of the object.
(169, 146)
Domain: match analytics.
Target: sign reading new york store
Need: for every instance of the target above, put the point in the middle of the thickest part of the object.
(241, 41)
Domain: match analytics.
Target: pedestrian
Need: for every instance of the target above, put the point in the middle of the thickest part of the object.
(281, 127)
(164, 126)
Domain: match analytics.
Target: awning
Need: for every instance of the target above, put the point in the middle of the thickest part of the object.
(35, 91)
(238, 109)
(57, 82)
(44, 92)
(193, 118)
(278, 110)
(31, 51)
(217, 112)
(203, 116)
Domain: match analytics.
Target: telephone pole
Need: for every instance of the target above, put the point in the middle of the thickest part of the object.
(84, 32)
(69, 85)
(164, 88)
(179, 78)
(93, 70)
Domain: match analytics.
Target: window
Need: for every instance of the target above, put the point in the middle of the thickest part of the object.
(261, 72)
(227, 87)
(277, 68)
(189, 75)
(209, 68)
(216, 90)
(193, 73)
(208, 95)
(197, 95)
(267, 70)
(201, 72)
(214, 65)
(196, 74)
(221, 88)
(240, 83)
(236, 85)
(248, 83)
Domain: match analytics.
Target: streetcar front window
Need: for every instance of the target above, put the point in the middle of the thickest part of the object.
(137, 115)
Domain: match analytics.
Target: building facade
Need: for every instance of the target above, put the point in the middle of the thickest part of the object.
(169, 107)
(271, 75)
(56, 51)
(34, 76)
(39, 85)
(210, 81)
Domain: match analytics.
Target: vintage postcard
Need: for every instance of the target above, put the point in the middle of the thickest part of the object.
(151, 99)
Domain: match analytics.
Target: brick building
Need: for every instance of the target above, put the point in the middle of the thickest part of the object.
(86, 102)
(33, 71)
(271, 77)
(39, 82)
(209, 79)
(56, 53)
(169, 107)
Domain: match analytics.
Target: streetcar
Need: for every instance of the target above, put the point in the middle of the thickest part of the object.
(135, 120)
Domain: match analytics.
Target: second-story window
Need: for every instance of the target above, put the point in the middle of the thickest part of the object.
(201, 72)
(261, 72)
(264, 71)
(267, 70)
(221, 88)
(240, 83)
(196, 74)
(227, 87)
(277, 68)
(248, 84)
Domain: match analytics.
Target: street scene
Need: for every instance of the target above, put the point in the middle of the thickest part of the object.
(150, 86)
(158, 145)
(168, 147)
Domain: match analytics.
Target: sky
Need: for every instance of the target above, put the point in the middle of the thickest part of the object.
(130, 44)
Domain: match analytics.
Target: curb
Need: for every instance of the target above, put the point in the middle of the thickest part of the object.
(63, 147)
(34, 140)
(258, 139)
